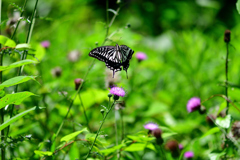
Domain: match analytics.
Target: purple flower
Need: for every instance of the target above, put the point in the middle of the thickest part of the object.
(180, 146)
(193, 104)
(188, 154)
(141, 56)
(45, 44)
(117, 91)
(151, 126)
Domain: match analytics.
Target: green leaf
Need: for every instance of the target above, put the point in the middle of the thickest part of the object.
(15, 98)
(72, 135)
(215, 156)
(139, 147)
(141, 138)
(224, 122)
(238, 6)
(15, 118)
(100, 142)
(222, 106)
(17, 64)
(43, 153)
(24, 46)
(5, 41)
(112, 149)
(16, 80)
(211, 131)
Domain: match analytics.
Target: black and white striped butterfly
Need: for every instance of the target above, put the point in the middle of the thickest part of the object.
(115, 57)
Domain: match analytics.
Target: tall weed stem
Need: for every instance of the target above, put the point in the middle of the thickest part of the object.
(109, 109)
(226, 74)
(24, 55)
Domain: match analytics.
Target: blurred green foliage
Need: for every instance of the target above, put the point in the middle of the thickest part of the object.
(183, 41)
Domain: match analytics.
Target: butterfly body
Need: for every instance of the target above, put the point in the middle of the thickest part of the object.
(115, 57)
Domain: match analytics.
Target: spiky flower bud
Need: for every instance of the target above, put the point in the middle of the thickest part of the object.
(227, 36)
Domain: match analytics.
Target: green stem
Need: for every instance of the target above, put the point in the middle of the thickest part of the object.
(226, 74)
(116, 134)
(24, 55)
(84, 111)
(15, 30)
(100, 129)
(70, 106)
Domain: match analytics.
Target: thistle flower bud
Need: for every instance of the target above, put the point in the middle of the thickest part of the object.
(158, 134)
(227, 36)
(56, 72)
(173, 146)
(78, 82)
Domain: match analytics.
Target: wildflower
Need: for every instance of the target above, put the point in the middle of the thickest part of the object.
(173, 146)
(180, 146)
(158, 134)
(151, 126)
(193, 104)
(236, 129)
(117, 92)
(227, 35)
(45, 44)
(78, 82)
(57, 72)
(188, 154)
(141, 56)
(73, 55)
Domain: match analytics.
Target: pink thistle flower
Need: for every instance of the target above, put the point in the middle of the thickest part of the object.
(151, 126)
(45, 44)
(141, 56)
(193, 104)
(189, 154)
(117, 91)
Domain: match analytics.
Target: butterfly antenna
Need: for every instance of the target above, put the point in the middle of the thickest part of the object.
(127, 74)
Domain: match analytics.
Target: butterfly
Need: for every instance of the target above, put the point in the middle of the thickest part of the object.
(115, 57)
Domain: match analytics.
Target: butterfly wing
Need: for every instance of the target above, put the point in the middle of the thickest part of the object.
(126, 56)
(110, 55)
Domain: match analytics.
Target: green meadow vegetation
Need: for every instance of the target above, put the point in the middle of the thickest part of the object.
(177, 97)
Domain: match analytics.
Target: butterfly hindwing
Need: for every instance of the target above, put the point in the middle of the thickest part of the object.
(114, 57)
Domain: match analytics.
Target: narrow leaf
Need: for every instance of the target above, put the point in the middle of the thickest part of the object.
(5, 41)
(24, 46)
(72, 135)
(211, 131)
(135, 147)
(16, 80)
(17, 64)
(15, 118)
(43, 153)
(238, 6)
(15, 98)
(224, 122)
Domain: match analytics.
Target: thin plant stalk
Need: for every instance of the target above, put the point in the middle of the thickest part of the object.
(84, 111)
(116, 134)
(75, 96)
(24, 55)
(109, 109)
(23, 8)
(226, 74)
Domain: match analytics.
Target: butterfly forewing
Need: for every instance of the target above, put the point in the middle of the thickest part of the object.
(114, 57)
